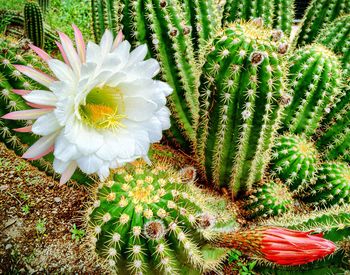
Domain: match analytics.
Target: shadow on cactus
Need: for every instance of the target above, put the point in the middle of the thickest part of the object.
(146, 219)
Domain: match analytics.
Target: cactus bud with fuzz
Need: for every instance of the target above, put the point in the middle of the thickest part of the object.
(294, 160)
(146, 220)
(315, 78)
(269, 198)
(318, 14)
(331, 187)
(242, 87)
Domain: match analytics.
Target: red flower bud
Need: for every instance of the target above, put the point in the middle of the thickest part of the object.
(279, 245)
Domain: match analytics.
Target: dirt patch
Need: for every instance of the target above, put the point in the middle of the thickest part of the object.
(36, 219)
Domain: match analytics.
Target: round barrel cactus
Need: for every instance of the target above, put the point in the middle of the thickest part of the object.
(242, 93)
(150, 219)
(294, 160)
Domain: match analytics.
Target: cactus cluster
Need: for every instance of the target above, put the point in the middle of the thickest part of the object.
(270, 198)
(294, 160)
(33, 23)
(148, 219)
(242, 93)
(315, 79)
(318, 14)
(277, 14)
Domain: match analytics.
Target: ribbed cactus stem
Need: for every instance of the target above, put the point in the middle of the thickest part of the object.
(276, 14)
(242, 91)
(318, 14)
(44, 5)
(146, 220)
(315, 78)
(294, 160)
(33, 23)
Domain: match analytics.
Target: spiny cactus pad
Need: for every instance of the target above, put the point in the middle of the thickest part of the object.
(269, 198)
(294, 160)
(332, 185)
(242, 94)
(315, 79)
(147, 220)
(318, 14)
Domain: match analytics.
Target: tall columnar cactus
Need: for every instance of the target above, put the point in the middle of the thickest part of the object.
(276, 14)
(147, 220)
(44, 5)
(294, 160)
(331, 187)
(318, 14)
(34, 24)
(270, 198)
(164, 26)
(315, 78)
(242, 91)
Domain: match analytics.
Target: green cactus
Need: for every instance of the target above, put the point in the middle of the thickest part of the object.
(277, 14)
(34, 24)
(270, 198)
(331, 186)
(147, 220)
(294, 160)
(162, 25)
(336, 36)
(18, 52)
(318, 14)
(315, 77)
(44, 5)
(242, 92)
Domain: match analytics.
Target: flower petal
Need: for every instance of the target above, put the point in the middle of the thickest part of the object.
(27, 114)
(138, 54)
(61, 70)
(46, 125)
(64, 150)
(117, 40)
(139, 108)
(70, 52)
(64, 56)
(106, 43)
(20, 92)
(148, 68)
(25, 129)
(41, 97)
(89, 164)
(80, 44)
(36, 75)
(40, 148)
(68, 173)
(164, 117)
(42, 54)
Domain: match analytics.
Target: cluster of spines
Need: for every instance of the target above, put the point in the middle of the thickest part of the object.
(242, 91)
(331, 186)
(33, 23)
(336, 37)
(147, 219)
(269, 198)
(276, 14)
(294, 160)
(318, 14)
(315, 78)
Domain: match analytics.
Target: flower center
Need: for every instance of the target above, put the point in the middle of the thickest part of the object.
(103, 108)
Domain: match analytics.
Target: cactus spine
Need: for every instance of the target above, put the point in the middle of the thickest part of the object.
(162, 24)
(146, 220)
(33, 23)
(242, 93)
(318, 14)
(270, 198)
(331, 187)
(315, 78)
(277, 14)
(336, 36)
(294, 160)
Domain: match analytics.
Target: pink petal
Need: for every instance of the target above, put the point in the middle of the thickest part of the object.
(64, 56)
(42, 54)
(67, 174)
(36, 75)
(79, 42)
(25, 129)
(21, 92)
(70, 52)
(34, 105)
(42, 147)
(117, 40)
(27, 114)
(48, 151)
